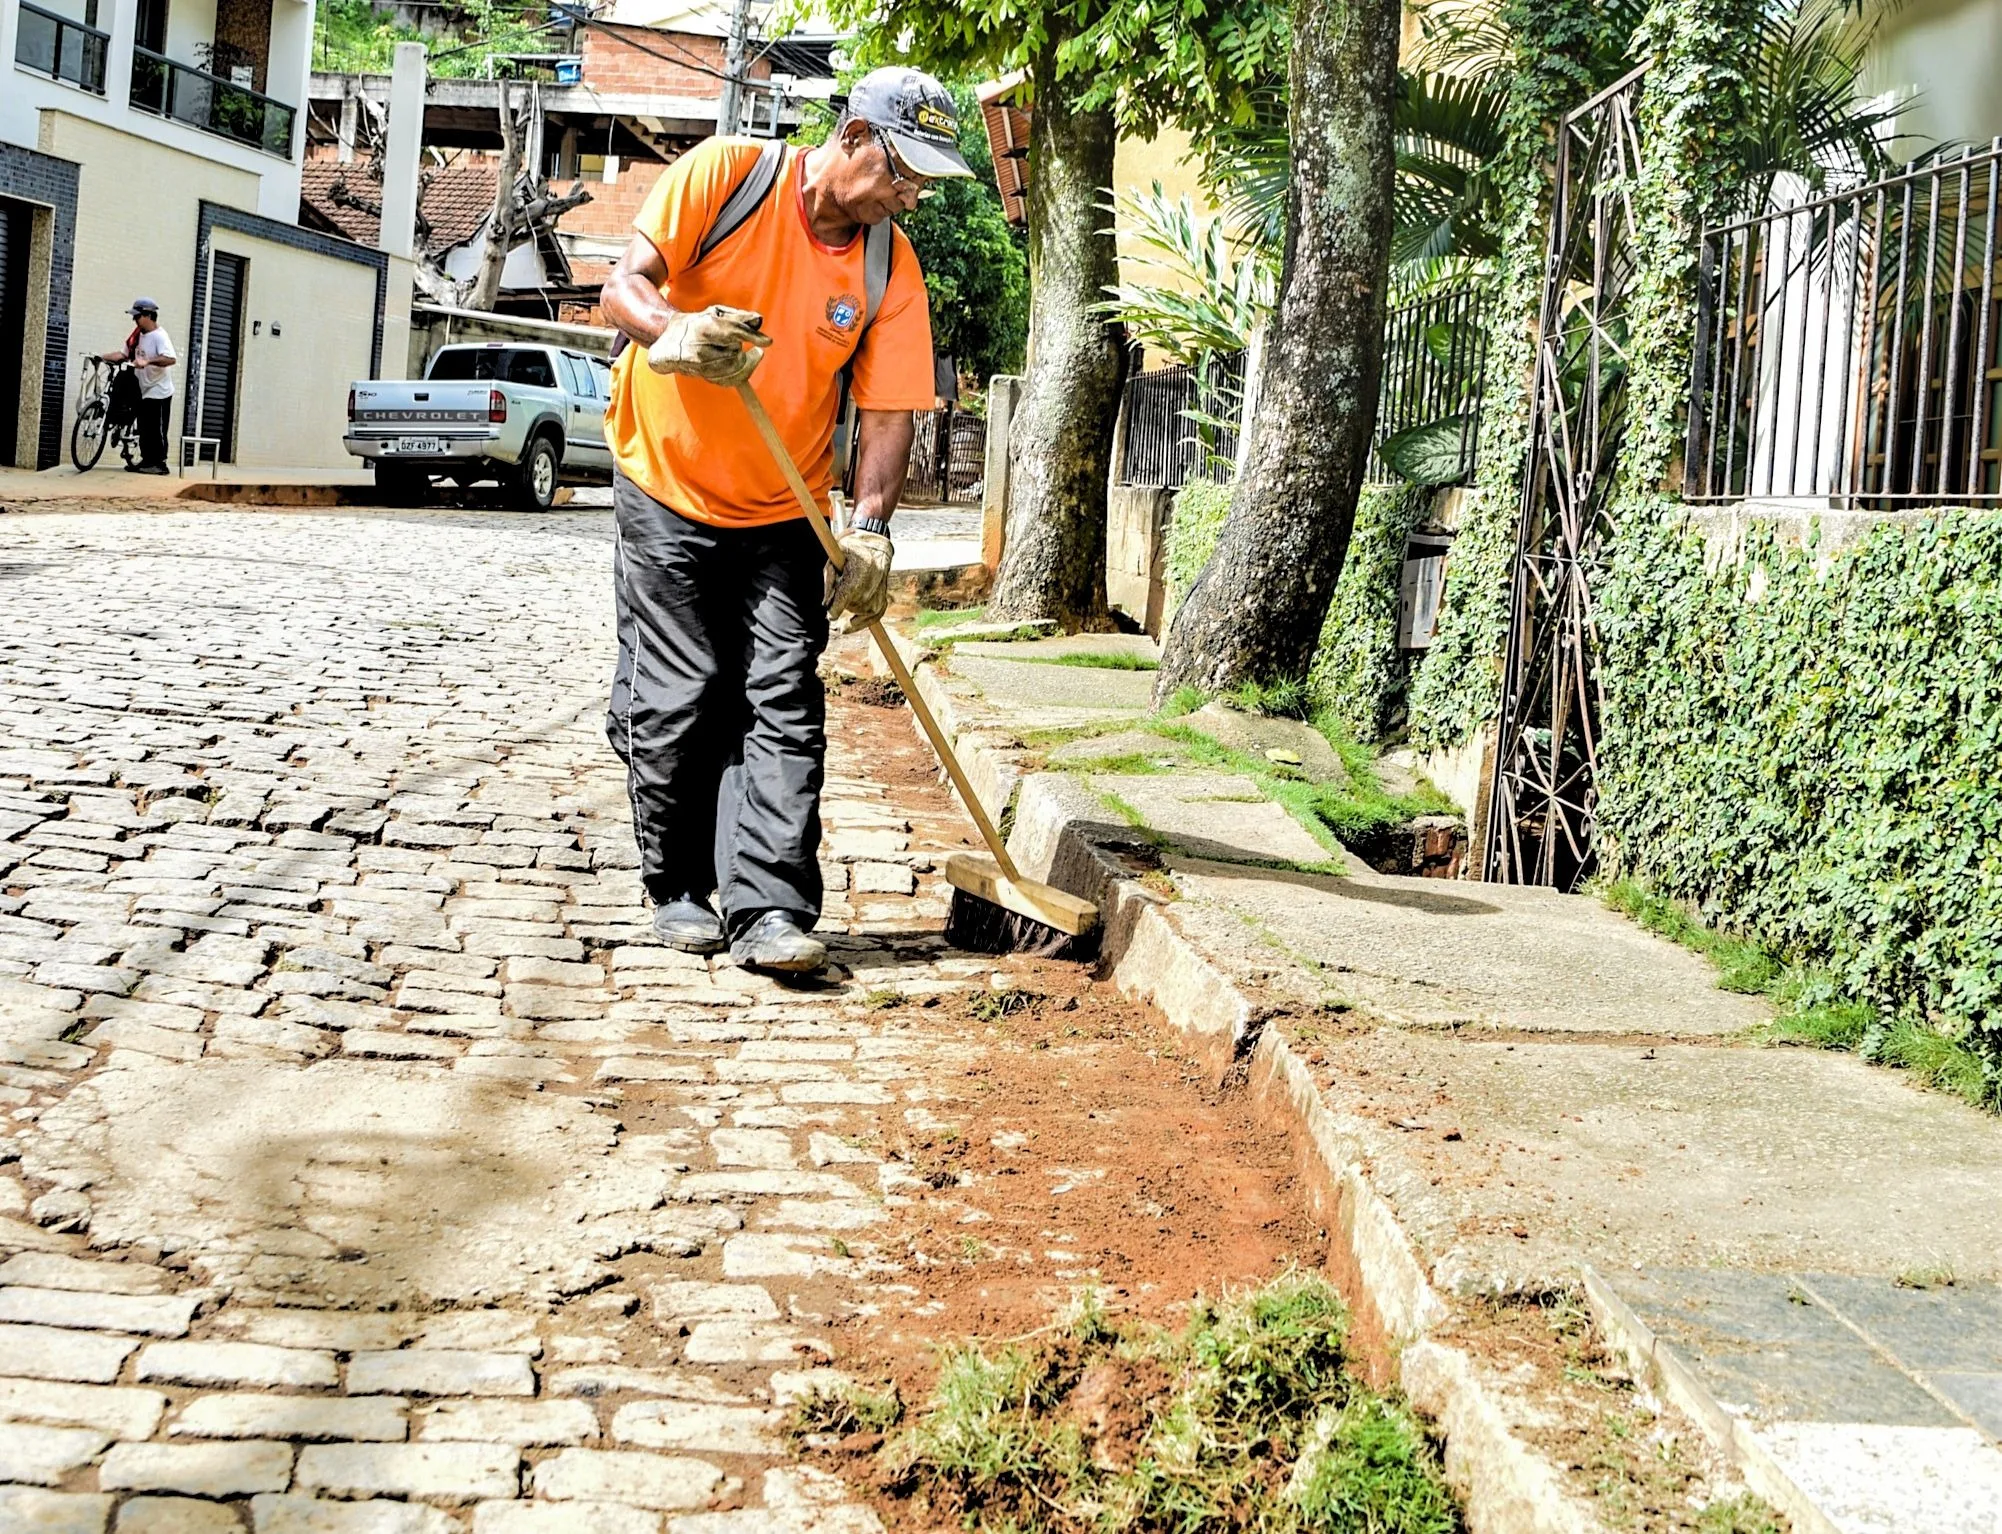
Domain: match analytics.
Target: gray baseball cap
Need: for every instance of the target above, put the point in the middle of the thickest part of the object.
(919, 116)
(143, 306)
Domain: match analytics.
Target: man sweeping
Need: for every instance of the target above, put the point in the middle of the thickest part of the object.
(722, 601)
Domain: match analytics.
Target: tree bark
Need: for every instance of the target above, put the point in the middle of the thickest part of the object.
(500, 227)
(1053, 554)
(1255, 612)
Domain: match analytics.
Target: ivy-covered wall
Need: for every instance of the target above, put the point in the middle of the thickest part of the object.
(1809, 745)
(1359, 673)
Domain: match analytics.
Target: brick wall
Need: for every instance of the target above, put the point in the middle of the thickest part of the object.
(52, 184)
(613, 64)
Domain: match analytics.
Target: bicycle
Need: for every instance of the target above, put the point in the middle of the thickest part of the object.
(94, 423)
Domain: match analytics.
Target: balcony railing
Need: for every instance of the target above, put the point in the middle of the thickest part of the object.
(1847, 348)
(60, 48)
(214, 105)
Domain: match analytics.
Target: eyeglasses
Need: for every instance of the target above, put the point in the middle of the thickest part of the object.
(901, 176)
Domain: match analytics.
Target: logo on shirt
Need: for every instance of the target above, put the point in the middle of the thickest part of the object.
(844, 311)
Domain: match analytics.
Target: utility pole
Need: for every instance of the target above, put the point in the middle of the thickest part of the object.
(730, 108)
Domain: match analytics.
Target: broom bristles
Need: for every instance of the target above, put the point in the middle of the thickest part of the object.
(980, 926)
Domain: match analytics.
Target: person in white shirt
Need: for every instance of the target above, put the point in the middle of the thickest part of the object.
(151, 353)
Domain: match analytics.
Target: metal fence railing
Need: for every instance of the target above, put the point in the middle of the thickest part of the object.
(61, 48)
(1182, 422)
(1846, 348)
(201, 100)
(948, 456)
(1428, 414)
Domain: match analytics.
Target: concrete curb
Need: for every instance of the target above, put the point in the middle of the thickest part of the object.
(1058, 834)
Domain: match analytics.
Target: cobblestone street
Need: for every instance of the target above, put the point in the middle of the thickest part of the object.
(366, 1166)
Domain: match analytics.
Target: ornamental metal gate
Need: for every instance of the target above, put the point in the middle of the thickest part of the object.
(1544, 789)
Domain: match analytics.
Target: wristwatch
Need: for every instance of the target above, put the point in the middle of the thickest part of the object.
(877, 525)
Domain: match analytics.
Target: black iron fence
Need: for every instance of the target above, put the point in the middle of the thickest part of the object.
(948, 457)
(214, 105)
(1846, 348)
(1181, 422)
(61, 48)
(1428, 413)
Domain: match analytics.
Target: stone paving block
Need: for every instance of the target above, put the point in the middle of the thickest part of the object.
(884, 879)
(539, 971)
(44, 1456)
(764, 1183)
(795, 1049)
(177, 1515)
(48, 1353)
(310, 1515)
(440, 1372)
(668, 1482)
(154, 1315)
(433, 1472)
(118, 1410)
(652, 1068)
(563, 1518)
(594, 1380)
(680, 1299)
(398, 1046)
(751, 1072)
(859, 1094)
(146, 1040)
(822, 1214)
(29, 1511)
(694, 1425)
(522, 1423)
(50, 1270)
(370, 1419)
(750, 1342)
(197, 1469)
(236, 1363)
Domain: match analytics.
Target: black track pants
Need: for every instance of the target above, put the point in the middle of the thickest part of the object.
(717, 708)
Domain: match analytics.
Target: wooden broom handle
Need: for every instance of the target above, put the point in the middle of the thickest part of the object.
(818, 521)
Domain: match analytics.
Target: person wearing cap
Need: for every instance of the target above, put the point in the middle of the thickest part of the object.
(151, 352)
(717, 708)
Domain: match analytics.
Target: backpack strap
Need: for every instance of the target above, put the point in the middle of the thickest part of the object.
(879, 245)
(746, 197)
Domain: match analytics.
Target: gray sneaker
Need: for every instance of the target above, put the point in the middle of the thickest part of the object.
(774, 941)
(686, 923)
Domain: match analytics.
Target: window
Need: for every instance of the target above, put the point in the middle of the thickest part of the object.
(577, 375)
(601, 371)
(531, 369)
(463, 364)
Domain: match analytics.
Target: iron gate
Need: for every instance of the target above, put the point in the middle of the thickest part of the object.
(1544, 792)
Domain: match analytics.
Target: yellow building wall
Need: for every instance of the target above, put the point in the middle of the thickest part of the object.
(308, 327)
(1950, 52)
(137, 212)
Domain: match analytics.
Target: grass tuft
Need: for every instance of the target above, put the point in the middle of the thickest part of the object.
(1102, 660)
(844, 1408)
(946, 617)
(1246, 1418)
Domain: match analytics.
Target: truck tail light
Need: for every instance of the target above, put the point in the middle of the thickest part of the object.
(351, 404)
(496, 405)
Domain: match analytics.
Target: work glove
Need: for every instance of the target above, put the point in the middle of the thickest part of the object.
(720, 344)
(862, 588)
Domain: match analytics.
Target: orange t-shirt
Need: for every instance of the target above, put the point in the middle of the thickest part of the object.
(690, 444)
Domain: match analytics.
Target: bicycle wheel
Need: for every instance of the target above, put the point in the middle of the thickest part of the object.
(87, 437)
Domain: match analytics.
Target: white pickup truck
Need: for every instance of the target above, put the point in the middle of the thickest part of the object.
(527, 416)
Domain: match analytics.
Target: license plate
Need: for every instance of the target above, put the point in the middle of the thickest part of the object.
(417, 445)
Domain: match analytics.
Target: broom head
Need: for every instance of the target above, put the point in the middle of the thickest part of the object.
(992, 913)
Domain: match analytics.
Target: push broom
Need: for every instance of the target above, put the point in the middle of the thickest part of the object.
(994, 909)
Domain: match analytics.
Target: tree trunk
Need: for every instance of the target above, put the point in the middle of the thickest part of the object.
(500, 228)
(1255, 612)
(1053, 554)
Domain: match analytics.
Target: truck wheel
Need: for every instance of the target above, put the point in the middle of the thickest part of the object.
(534, 487)
(398, 484)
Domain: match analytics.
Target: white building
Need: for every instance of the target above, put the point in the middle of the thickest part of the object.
(152, 148)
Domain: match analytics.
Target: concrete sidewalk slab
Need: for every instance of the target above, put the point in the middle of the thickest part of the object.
(1220, 815)
(1039, 696)
(1434, 953)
